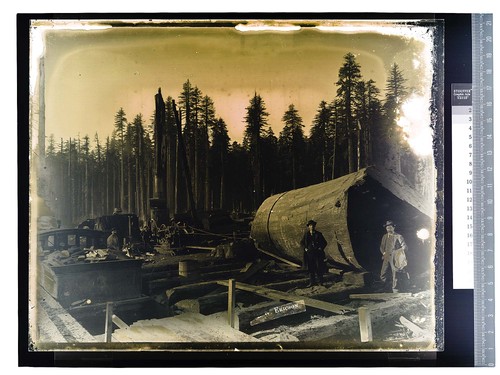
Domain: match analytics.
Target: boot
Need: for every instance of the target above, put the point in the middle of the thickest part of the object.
(311, 282)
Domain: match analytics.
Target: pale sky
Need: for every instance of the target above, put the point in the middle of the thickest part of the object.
(90, 74)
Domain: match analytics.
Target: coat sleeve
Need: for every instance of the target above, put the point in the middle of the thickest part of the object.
(323, 242)
(402, 243)
(382, 244)
(303, 240)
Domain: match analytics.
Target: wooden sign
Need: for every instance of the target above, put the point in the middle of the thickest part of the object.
(280, 311)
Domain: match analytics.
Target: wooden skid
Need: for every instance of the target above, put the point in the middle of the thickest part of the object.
(274, 294)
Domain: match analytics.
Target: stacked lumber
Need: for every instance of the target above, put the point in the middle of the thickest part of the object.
(186, 327)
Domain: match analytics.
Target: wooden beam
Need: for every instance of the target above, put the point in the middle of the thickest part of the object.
(277, 295)
(279, 258)
(190, 291)
(245, 273)
(417, 331)
(210, 248)
(212, 288)
(365, 324)
(120, 323)
(379, 296)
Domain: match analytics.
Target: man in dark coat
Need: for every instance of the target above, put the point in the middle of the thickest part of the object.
(314, 245)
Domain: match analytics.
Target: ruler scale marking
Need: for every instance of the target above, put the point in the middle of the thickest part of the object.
(482, 98)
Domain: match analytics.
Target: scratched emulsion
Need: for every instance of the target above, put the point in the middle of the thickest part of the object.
(83, 73)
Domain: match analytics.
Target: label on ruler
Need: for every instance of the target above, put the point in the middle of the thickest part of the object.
(462, 171)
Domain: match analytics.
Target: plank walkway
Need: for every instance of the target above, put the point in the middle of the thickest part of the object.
(186, 327)
(53, 324)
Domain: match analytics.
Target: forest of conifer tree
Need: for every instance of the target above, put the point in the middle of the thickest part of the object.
(87, 176)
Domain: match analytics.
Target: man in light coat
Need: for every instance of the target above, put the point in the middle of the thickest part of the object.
(393, 248)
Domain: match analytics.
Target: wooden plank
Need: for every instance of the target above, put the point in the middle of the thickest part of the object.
(417, 331)
(101, 306)
(279, 258)
(209, 248)
(379, 296)
(67, 327)
(190, 291)
(246, 273)
(47, 330)
(79, 333)
(300, 282)
(119, 323)
(208, 288)
(274, 294)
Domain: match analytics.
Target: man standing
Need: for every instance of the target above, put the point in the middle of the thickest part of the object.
(393, 248)
(314, 253)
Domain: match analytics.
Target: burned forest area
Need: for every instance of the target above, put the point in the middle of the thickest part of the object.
(170, 235)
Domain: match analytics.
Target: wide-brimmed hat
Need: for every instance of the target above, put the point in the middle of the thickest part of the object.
(389, 222)
(311, 222)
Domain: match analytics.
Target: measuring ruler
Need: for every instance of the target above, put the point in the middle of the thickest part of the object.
(483, 209)
(462, 115)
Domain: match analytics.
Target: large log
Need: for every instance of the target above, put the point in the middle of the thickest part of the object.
(350, 212)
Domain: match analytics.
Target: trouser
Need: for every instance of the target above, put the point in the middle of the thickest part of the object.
(314, 275)
(388, 274)
(315, 267)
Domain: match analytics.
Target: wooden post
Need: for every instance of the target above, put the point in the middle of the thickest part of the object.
(108, 328)
(231, 301)
(365, 324)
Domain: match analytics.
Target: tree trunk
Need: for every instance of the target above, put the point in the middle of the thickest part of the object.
(207, 174)
(122, 179)
(221, 198)
(350, 151)
(130, 194)
(177, 181)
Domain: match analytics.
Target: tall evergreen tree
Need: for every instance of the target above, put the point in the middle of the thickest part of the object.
(395, 94)
(219, 159)
(171, 156)
(292, 144)
(320, 149)
(207, 120)
(137, 136)
(256, 119)
(270, 168)
(240, 178)
(349, 76)
(120, 131)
